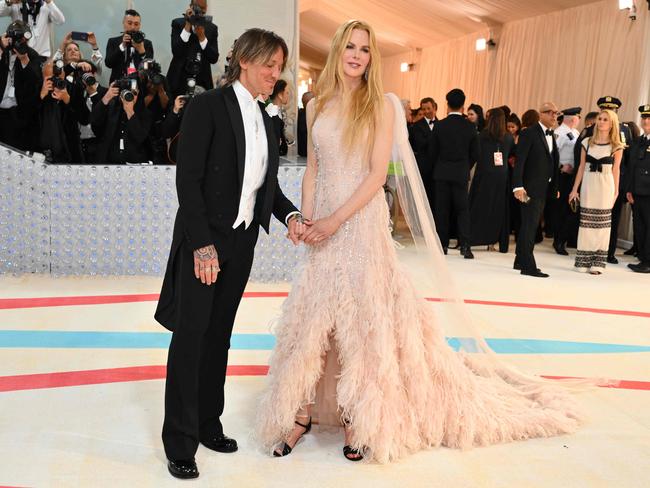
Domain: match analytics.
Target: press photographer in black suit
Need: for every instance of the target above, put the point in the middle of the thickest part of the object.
(535, 176)
(194, 49)
(62, 110)
(227, 182)
(20, 84)
(124, 124)
(124, 53)
(454, 149)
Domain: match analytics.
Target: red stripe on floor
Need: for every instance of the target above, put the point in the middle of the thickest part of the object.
(101, 376)
(15, 303)
(142, 373)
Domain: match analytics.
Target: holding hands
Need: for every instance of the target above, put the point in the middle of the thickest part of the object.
(312, 232)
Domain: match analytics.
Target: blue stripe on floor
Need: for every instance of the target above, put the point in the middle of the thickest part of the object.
(265, 342)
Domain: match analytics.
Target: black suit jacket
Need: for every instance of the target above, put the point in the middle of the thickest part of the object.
(638, 181)
(210, 172)
(27, 81)
(535, 165)
(182, 51)
(420, 137)
(302, 132)
(454, 149)
(118, 60)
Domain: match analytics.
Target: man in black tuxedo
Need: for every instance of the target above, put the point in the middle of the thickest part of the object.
(420, 135)
(535, 174)
(20, 84)
(454, 149)
(227, 186)
(123, 53)
(194, 49)
(302, 124)
(638, 192)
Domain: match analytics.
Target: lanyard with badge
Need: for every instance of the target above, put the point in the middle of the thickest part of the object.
(498, 156)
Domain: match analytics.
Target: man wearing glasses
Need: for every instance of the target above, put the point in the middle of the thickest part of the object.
(535, 174)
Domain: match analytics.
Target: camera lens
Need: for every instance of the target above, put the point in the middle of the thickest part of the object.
(127, 95)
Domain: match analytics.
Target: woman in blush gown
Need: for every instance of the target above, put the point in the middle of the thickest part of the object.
(357, 345)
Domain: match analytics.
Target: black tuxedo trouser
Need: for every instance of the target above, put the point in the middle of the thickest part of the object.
(198, 353)
(642, 227)
(566, 222)
(450, 194)
(530, 215)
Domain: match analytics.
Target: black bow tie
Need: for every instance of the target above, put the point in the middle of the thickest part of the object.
(549, 132)
(431, 122)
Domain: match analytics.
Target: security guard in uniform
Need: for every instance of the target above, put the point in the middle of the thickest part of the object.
(638, 192)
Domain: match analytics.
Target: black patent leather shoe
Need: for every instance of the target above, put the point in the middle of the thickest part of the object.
(466, 252)
(612, 260)
(640, 267)
(537, 273)
(561, 250)
(220, 443)
(184, 470)
(630, 252)
(516, 266)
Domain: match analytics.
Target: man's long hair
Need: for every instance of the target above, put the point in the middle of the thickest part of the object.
(364, 104)
(255, 46)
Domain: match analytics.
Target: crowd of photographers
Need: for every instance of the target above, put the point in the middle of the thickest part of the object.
(55, 103)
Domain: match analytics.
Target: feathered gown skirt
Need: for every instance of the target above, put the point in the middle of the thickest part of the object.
(356, 341)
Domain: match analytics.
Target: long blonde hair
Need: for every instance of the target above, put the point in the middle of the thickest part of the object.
(363, 104)
(614, 132)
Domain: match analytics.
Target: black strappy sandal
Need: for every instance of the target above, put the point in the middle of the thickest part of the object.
(286, 449)
(348, 451)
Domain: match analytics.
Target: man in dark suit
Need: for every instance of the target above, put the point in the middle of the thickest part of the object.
(20, 85)
(302, 124)
(535, 175)
(227, 187)
(123, 53)
(454, 149)
(194, 49)
(638, 192)
(420, 136)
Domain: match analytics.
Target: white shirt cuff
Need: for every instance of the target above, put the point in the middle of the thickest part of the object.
(185, 36)
(204, 43)
(122, 48)
(291, 214)
(517, 189)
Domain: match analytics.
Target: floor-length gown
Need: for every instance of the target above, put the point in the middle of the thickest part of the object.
(596, 201)
(357, 342)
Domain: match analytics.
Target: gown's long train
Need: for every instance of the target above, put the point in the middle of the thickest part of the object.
(397, 380)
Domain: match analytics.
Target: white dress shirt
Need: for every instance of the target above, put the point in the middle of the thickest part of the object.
(9, 96)
(566, 143)
(41, 30)
(185, 36)
(256, 157)
(429, 123)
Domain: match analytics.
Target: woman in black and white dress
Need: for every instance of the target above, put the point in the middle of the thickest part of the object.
(599, 171)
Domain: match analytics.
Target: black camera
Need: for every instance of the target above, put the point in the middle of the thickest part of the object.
(193, 65)
(57, 69)
(150, 70)
(136, 36)
(89, 79)
(128, 88)
(198, 17)
(19, 34)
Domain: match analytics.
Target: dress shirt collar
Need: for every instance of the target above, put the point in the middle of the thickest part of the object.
(454, 113)
(243, 95)
(544, 128)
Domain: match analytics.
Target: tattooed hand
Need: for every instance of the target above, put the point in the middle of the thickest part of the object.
(206, 265)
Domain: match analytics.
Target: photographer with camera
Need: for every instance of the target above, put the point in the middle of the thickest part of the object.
(125, 53)
(72, 39)
(123, 122)
(85, 75)
(156, 100)
(194, 49)
(62, 110)
(39, 15)
(20, 81)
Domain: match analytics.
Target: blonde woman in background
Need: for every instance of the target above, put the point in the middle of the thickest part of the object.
(599, 173)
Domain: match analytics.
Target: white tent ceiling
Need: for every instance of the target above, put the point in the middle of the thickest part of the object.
(403, 25)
